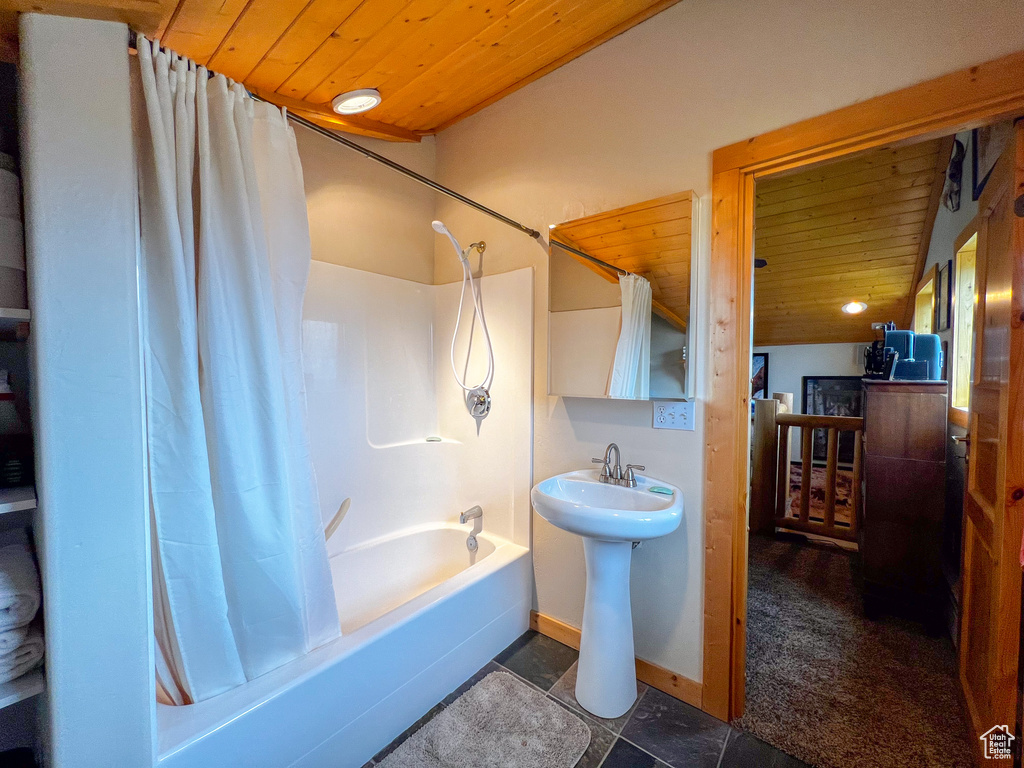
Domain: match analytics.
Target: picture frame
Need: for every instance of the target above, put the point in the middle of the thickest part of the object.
(832, 396)
(944, 297)
(759, 376)
(987, 144)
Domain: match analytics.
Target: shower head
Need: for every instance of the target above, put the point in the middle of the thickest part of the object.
(441, 229)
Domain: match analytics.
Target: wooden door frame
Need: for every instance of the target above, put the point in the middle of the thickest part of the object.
(965, 99)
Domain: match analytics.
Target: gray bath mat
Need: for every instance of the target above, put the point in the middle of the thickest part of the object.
(500, 722)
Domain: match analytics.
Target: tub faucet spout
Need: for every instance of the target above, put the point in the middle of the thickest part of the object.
(471, 514)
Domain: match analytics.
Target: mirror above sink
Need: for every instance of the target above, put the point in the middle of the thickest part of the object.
(621, 296)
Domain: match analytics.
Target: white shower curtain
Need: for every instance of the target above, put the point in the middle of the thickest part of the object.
(631, 371)
(241, 580)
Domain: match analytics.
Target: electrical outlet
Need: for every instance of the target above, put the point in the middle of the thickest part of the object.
(673, 414)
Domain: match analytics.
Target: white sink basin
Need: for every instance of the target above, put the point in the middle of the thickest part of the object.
(578, 503)
(609, 518)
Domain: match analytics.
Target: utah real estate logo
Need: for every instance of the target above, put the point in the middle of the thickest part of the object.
(998, 741)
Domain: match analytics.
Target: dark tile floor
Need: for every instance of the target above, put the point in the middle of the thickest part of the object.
(658, 732)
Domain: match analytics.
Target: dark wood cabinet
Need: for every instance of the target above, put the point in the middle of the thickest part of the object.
(904, 498)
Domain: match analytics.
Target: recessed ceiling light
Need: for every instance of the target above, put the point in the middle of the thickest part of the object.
(354, 102)
(854, 307)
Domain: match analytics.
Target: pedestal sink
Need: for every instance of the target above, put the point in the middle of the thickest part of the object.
(609, 518)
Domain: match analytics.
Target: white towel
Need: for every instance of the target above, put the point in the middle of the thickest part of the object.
(12, 638)
(24, 658)
(20, 593)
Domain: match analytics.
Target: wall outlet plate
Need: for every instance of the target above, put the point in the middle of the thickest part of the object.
(673, 414)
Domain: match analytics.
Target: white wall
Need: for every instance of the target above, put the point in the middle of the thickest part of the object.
(379, 383)
(789, 363)
(92, 526)
(637, 118)
(367, 216)
(949, 224)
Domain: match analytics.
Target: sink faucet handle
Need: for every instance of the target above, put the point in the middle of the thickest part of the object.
(600, 461)
(629, 480)
(606, 470)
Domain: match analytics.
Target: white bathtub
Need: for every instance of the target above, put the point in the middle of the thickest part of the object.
(419, 614)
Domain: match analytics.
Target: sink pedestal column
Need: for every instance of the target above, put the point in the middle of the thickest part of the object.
(606, 676)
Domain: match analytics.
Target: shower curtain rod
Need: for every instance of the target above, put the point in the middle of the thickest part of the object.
(622, 272)
(371, 155)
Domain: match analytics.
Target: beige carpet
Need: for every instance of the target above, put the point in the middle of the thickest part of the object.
(834, 689)
(500, 722)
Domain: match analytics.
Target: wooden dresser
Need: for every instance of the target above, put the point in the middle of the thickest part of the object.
(904, 498)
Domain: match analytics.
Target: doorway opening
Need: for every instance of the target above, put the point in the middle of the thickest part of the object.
(854, 555)
(984, 94)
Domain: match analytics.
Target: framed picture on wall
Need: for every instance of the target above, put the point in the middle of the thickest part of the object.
(987, 144)
(944, 297)
(832, 396)
(759, 376)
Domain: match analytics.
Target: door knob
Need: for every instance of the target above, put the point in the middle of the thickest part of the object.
(964, 440)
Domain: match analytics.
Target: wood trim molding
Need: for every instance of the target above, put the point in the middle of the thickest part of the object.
(683, 688)
(969, 98)
(959, 416)
(931, 276)
(958, 101)
(967, 233)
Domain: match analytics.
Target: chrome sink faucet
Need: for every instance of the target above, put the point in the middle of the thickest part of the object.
(612, 473)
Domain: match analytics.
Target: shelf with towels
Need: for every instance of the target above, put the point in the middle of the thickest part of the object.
(10, 319)
(17, 499)
(22, 688)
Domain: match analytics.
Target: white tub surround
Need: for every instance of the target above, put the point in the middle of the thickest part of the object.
(419, 612)
(379, 384)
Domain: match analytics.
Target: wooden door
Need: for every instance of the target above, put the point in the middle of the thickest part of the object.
(994, 495)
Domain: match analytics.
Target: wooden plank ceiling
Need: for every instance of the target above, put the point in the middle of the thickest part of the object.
(434, 62)
(651, 239)
(855, 230)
